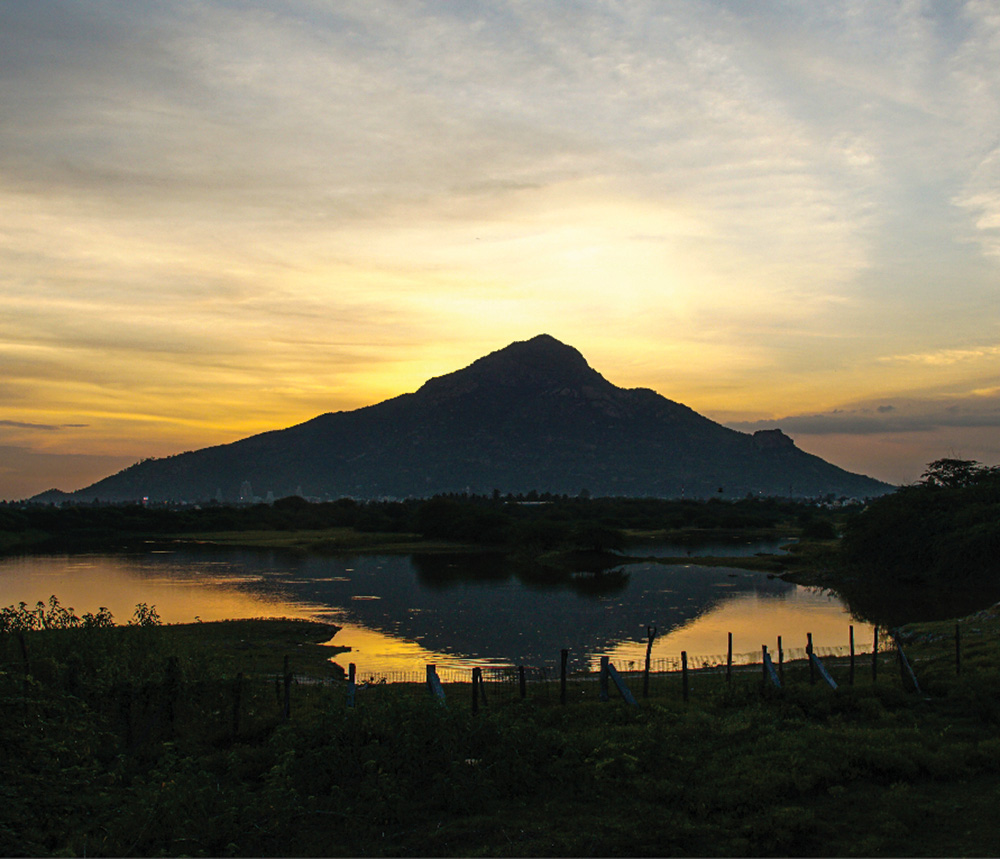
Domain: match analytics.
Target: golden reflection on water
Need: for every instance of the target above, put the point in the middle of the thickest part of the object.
(86, 583)
(220, 591)
(377, 654)
(792, 616)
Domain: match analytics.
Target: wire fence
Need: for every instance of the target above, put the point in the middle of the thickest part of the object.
(664, 673)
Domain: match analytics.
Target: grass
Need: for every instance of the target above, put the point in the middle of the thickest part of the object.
(106, 752)
(257, 647)
(328, 540)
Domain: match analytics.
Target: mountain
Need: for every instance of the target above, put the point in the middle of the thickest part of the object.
(533, 415)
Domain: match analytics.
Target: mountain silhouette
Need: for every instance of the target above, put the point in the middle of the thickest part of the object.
(531, 416)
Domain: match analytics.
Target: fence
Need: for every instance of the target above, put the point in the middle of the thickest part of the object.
(243, 704)
(651, 678)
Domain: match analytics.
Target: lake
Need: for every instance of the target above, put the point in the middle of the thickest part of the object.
(398, 612)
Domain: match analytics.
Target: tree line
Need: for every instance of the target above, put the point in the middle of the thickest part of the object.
(537, 520)
(942, 530)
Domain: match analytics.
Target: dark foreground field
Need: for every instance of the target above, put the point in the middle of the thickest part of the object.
(152, 740)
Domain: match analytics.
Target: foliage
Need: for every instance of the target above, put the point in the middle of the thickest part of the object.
(941, 531)
(55, 616)
(106, 755)
(536, 521)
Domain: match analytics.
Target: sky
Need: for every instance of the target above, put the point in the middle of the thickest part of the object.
(221, 218)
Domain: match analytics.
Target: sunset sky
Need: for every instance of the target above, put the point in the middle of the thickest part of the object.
(219, 218)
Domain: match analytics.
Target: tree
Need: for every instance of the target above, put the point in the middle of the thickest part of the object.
(952, 473)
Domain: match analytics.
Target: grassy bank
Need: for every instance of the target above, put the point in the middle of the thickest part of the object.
(321, 541)
(108, 750)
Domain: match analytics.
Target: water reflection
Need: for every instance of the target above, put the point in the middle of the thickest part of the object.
(399, 612)
(737, 547)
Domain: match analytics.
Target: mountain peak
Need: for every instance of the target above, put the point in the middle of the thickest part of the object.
(533, 415)
(541, 362)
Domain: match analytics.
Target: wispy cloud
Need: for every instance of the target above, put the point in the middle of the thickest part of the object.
(945, 357)
(217, 218)
(905, 416)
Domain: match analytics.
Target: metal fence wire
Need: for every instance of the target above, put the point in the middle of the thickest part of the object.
(505, 682)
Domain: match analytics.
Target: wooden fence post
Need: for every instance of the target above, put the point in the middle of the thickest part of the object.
(809, 654)
(563, 659)
(604, 678)
(875, 657)
(684, 675)
(850, 678)
(729, 660)
(477, 678)
(781, 662)
(650, 635)
(522, 682)
(287, 703)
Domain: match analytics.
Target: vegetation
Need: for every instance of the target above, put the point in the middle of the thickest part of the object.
(121, 740)
(945, 529)
(927, 551)
(528, 524)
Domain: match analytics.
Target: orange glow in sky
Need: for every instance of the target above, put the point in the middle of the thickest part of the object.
(216, 221)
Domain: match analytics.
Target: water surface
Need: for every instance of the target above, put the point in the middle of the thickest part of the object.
(399, 612)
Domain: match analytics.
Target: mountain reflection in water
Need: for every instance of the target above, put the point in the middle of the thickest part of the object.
(399, 612)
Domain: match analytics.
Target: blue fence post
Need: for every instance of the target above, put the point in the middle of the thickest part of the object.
(623, 690)
(434, 684)
(351, 683)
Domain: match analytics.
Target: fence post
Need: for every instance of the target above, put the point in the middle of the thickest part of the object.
(563, 659)
(875, 657)
(237, 694)
(287, 708)
(814, 660)
(623, 690)
(352, 686)
(781, 662)
(729, 660)
(604, 678)
(684, 675)
(769, 669)
(850, 679)
(958, 650)
(477, 678)
(904, 666)
(522, 682)
(650, 635)
(434, 683)
(809, 654)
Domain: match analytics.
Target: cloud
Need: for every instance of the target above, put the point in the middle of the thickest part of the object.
(944, 357)
(219, 217)
(44, 427)
(906, 416)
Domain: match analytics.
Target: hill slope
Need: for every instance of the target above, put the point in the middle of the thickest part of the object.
(533, 415)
